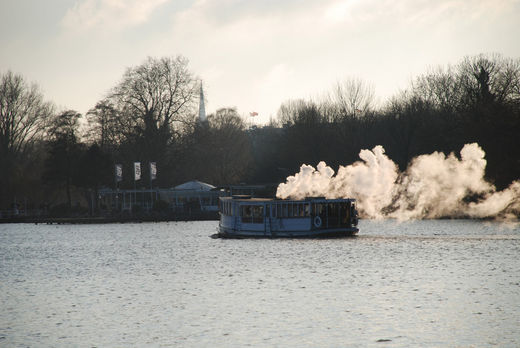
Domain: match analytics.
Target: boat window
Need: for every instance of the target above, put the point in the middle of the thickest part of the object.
(318, 209)
(258, 214)
(280, 210)
(307, 208)
(252, 213)
(344, 213)
(333, 210)
(245, 212)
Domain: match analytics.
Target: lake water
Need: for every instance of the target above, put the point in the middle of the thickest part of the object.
(421, 283)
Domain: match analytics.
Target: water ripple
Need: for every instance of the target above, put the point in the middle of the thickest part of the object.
(422, 283)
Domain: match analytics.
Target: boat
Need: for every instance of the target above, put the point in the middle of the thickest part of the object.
(244, 216)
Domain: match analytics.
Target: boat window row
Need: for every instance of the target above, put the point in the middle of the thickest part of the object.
(254, 213)
(290, 209)
(331, 209)
(335, 214)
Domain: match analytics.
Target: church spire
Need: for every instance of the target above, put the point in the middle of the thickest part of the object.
(202, 109)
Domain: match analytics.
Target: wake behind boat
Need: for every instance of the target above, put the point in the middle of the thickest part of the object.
(243, 216)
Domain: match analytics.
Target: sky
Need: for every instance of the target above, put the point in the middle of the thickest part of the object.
(250, 54)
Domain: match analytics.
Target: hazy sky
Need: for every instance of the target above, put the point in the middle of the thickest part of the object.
(250, 54)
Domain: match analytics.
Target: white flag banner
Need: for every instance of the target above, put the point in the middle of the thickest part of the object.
(137, 171)
(119, 172)
(153, 171)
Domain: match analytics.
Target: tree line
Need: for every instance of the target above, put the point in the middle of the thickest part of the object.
(61, 159)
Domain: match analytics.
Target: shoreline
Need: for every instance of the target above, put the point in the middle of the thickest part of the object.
(108, 220)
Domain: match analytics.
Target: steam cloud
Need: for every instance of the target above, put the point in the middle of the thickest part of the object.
(433, 186)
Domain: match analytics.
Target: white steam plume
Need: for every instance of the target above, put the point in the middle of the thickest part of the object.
(433, 186)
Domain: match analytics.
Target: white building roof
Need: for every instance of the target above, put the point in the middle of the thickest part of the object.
(195, 185)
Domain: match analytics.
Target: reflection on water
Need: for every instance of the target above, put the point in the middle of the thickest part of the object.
(419, 283)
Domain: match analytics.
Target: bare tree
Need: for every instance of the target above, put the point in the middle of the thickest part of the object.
(24, 115)
(299, 111)
(220, 150)
(409, 112)
(352, 97)
(103, 126)
(64, 152)
(231, 149)
(476, 81)
(153, 96)
(477, 75)
(440, 87)
(491, 78)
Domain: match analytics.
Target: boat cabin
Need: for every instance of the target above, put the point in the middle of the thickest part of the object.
(262, 217)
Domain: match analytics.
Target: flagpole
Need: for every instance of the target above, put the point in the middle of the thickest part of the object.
(117, 195)
(251, 119)
(137, 176)
(151, 188)
(115, 182)
(153, 175)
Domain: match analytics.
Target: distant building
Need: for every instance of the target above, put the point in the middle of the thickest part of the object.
(193, 195)
(190, 197)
